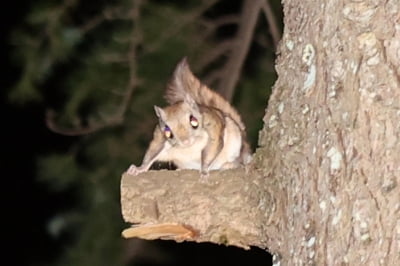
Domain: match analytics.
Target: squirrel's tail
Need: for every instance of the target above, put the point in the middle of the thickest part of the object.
(184, 83)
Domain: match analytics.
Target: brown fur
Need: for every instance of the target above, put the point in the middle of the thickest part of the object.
(184, 82)
(217, 141)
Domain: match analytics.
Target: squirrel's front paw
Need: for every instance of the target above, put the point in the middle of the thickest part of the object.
(134, 170)
(204, 175)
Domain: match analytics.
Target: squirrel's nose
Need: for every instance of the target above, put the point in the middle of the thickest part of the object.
(186, 142)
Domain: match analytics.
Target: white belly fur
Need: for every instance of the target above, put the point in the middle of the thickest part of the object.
(190, 157)
(185, 157)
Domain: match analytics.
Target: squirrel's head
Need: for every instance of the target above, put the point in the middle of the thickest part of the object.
(181, 123)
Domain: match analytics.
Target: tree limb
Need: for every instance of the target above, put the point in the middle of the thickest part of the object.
(230, 208)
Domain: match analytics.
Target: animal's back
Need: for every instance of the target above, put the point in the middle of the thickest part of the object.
(184, 83)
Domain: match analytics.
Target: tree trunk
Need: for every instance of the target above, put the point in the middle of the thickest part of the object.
(324, 186)
(332, 128)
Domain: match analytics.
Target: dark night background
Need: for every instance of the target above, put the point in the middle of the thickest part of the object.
(29, 204)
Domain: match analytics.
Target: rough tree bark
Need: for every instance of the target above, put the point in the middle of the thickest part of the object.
(324, 186)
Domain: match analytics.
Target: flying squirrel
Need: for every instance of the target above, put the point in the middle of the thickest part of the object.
(198, 130)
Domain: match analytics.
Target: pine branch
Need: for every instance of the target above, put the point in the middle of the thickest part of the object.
(273, 26)
(212, 25)
(243, 39)
(221, 49)
(118, 117)
(109, 13)
(176, 28)
(79, 130)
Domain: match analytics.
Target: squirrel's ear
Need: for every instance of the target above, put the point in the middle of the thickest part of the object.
(159, 112)
(183, 76)
(182, 82)
(191, 102)
(182, 70)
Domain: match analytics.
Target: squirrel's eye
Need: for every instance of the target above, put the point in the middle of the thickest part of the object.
(168, 132)
(194, 122)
